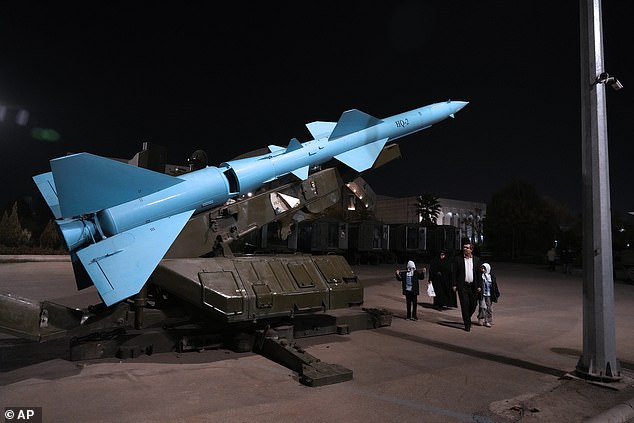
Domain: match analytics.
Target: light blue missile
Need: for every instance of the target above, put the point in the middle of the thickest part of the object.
(118, 220)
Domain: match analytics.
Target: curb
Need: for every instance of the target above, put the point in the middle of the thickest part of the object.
(27, 258)
(618, 414)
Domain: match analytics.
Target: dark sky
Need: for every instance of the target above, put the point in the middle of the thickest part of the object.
(190, 75)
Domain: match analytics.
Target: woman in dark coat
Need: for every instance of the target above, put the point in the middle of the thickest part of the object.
(440, 275)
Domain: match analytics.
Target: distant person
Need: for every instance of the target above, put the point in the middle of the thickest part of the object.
(490, 294)
(567, 257)
(551, 255)
(411, 287)
(468, 283)
(440, 276)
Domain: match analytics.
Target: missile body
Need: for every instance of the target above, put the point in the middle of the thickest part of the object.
(118, 220)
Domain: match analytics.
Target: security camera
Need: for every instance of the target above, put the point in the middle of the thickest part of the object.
(605, 78)
(614, 83)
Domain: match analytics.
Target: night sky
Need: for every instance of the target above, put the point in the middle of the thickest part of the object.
(109, 76)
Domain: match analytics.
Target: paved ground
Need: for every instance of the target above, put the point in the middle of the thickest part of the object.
(424, 371)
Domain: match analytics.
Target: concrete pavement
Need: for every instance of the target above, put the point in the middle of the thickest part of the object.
(429, 370)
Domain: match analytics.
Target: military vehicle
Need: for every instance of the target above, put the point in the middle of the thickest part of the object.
(118, 221)
(204, 295)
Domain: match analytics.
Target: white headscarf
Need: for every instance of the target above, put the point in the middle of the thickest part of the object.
(410, 268)
(487, 272)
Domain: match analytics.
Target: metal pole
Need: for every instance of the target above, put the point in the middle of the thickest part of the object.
(598, 360)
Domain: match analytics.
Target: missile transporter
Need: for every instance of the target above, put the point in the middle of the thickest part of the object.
(202, 295)
(247, 289)
(159, 248)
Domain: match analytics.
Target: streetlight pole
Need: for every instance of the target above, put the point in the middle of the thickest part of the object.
(598, 360)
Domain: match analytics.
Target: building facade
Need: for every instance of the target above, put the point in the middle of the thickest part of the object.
(466, 216)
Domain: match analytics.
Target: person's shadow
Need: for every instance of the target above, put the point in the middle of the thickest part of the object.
(450, 324)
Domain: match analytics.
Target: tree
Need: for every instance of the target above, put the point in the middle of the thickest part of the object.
(11, 232)
(519, 222)
(50, 237)
(428, 208)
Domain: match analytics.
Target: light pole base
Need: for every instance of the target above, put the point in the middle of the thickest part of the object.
(612, 372)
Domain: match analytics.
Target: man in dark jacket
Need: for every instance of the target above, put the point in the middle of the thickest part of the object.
(468, 283)
(411, 288)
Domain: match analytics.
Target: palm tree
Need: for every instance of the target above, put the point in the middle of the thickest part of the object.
(428, 208)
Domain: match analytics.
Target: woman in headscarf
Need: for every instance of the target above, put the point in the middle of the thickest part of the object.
(411, 288)
(489, 296)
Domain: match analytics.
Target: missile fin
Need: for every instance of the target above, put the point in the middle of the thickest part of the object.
(46, 184)
(87, 183)
(320, 129)
(301, 173)
(82, 279)
(120, 265)
(293, 145)
(275, 148)
(352, 121)
(362, 158)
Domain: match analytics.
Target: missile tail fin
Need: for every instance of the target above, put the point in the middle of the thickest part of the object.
(120, 265)
(86, 183)
(46, 185)
(362, 158)
(352, 121)
(82, 279)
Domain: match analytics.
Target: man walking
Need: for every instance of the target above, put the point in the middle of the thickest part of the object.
(468, 283)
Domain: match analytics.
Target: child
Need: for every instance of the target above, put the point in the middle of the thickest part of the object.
(411, 287)
(490, 294)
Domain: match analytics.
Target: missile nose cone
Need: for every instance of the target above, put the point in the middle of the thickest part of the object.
(455, 106)
(458, 105)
